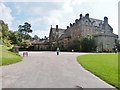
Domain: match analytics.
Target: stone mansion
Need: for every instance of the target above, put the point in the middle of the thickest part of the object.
(99, 29)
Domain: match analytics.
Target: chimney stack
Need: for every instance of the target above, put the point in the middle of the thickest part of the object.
(106, 20)
(57, 28)
(73, 23)
(70, 25)
(87, 15)
(67, 27)
(80, 16)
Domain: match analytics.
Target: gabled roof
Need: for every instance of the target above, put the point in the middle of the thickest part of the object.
(53, 30)
(96, 22)
(60, 31)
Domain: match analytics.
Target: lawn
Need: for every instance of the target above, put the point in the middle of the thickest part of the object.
(8, 57)
(104, 66)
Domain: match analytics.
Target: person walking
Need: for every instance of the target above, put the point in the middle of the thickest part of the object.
(58, 50)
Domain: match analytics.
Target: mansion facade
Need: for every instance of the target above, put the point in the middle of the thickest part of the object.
(82, 27)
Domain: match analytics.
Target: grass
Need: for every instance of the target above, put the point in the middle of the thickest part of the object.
(105, 66)
(8, 57)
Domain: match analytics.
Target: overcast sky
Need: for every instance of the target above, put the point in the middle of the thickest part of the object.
(41, 14)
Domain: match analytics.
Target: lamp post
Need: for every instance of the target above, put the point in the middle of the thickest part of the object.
(57, 36)
(57, 44)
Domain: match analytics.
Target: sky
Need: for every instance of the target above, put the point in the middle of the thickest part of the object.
(41, 14)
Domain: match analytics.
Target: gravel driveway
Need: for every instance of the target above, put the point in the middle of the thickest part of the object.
(47, 70)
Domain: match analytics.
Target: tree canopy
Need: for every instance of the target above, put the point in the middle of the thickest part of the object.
(84, 44)
(20, 37)
(88, 44)
(4, 34)
(25, 29)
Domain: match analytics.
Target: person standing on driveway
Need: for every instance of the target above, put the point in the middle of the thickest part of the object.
(58, 50)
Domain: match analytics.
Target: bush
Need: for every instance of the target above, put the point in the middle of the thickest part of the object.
(75, 45)
(25, 43)
(6, 42)
(88, 44)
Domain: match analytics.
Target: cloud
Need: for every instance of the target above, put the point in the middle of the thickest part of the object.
(40, 15)
(115, 27)
(6, 14)
(43, 14)
(32, 0)
(40, 33)
(77, 2)
(18, 9)
(51, 16)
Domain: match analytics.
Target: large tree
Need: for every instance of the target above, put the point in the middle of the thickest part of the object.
(15, 37)
(75, 45)
(4, 33)
(25, 29)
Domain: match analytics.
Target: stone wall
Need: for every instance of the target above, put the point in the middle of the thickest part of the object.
(84, 26)
(105, 42)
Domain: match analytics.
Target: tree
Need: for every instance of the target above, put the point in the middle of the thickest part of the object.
(0, 35)
(25, 43)
(4, 31)
(15, 37)
(88, 44)
(20, 28)
(25, 29)
(75, 45)
(36, 37)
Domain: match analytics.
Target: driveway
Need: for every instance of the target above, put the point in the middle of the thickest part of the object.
(47, 70)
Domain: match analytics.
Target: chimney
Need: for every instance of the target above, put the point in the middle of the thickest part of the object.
(57, 28)
(106, 20)
(80, 16)
(87, 15)
(67, 27)
(51, 26)
(70, 25)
